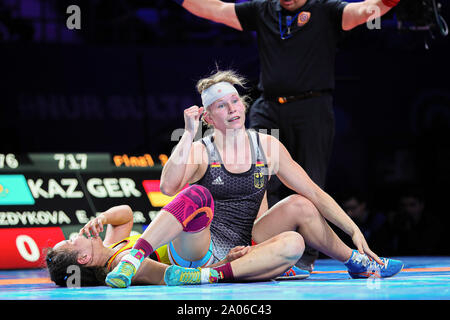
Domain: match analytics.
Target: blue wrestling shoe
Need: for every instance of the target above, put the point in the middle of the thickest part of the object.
(121, 276)
(360, 266)
(294, 273)
(178, 276)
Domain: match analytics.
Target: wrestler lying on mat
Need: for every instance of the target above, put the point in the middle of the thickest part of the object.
(96, 257)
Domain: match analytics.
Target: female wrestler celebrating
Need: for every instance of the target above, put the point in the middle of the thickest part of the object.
(229, 170)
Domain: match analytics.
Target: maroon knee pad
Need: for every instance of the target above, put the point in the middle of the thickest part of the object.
(193, 207)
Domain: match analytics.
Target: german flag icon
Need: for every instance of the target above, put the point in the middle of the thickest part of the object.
(156, 197)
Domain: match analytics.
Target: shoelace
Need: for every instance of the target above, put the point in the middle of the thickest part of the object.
(375, 265)
(368, 263)
(290, 272)
(126, 268)
(190, 276)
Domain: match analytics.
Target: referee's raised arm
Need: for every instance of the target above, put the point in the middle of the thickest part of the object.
(214, 10)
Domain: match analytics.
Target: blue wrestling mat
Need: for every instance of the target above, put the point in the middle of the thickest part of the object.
(423, 278)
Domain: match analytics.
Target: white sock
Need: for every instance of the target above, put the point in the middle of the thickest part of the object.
(133, 260)
(204, 275)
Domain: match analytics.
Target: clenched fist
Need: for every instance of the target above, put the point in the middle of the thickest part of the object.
(192, 119)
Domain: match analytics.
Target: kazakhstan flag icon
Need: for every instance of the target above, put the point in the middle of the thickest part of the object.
(14, 190)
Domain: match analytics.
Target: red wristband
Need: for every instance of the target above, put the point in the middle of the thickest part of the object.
(390, 3)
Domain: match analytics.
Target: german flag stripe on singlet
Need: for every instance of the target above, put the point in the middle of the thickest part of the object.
(129, 243)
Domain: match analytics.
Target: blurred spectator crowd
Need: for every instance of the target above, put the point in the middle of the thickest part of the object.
(405, 226)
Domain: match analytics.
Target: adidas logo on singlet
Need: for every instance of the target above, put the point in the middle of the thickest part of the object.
(218, 181)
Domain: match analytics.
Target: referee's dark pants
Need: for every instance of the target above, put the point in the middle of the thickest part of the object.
(306, 128)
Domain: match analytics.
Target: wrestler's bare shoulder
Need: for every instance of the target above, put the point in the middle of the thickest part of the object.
(271, 147)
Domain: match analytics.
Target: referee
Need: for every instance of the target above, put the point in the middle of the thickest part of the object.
(296, 43)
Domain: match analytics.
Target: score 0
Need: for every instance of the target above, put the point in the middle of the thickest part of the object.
(9, 161)
(74, 161)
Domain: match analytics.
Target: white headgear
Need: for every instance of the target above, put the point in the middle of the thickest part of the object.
(217, 91)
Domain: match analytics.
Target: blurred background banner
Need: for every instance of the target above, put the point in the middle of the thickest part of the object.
(116, 87)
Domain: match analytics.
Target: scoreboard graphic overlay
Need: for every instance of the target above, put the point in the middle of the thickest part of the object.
(48, 197)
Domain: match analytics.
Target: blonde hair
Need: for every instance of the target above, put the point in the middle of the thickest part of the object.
(229, 76)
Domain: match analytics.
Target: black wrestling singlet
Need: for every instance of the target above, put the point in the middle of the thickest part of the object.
(237, 196)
